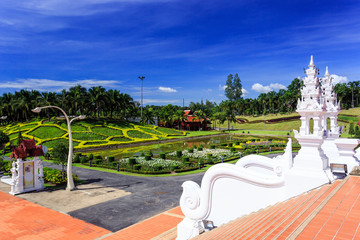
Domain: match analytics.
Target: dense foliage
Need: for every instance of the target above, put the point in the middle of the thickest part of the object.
(96, 101)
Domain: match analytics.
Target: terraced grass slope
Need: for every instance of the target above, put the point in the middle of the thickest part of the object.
(88, 133)
(286, 122)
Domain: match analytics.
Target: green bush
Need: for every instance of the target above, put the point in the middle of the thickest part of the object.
(209, 161)
(132, 161)
(142, 154)
(98, 157)
(147, 157)
(98, 161)
(2, 164)
(190, 150)
(114, 164)
(230, 145)
(91, 156)
(137, 167)
(232, 149)
(163, 156)
(174, 167)
(185, 159)
(56, 177)
(200, 149)
(224, 144)
(76, 158)
(208, 156)
(249, 151)
(237, 143)
(111, 159)
(212, 146)
(83, 160)
(178, 153)
(158, 167)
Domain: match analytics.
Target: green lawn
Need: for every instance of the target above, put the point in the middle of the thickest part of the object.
(107, 131)
(138, 134)
(121, 139)
(169, 131)
(52, 143)
(263, 132)
(47, 132)
(87, 136)
(150, 130)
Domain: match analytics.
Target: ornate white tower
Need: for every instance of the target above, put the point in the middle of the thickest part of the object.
(311, 162)
(311, 106)
(332, 106)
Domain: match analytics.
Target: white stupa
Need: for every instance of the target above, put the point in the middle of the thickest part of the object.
(312, 107)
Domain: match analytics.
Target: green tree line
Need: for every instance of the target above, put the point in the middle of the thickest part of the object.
(95, 101)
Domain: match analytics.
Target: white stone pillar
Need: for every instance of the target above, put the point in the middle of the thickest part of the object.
(346, 152)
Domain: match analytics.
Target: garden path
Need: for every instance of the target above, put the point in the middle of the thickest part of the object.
(149, 196)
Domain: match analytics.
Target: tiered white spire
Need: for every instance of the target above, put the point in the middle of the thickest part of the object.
(311, 93)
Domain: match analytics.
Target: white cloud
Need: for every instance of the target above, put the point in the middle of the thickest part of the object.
(222, 88)
(55, 85)
(277, 86)
(257, 87)
(167, 89)
(244, 92)
(339, 79)
(72, 8)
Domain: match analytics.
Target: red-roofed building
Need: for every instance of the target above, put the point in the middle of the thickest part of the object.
(192, 122)
(26, 149)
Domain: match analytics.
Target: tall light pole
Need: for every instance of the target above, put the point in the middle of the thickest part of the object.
(70, 181)
(141, 78)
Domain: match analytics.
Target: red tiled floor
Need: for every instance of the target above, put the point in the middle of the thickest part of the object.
(338, 219)
(149, 228)
(21, 219)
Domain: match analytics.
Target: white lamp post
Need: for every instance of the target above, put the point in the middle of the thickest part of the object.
(141, 78)
(70, 182)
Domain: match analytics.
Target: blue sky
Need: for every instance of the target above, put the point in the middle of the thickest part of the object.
(184, 48)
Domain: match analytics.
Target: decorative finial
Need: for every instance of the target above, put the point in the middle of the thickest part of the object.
(327, 72)
(311, 62)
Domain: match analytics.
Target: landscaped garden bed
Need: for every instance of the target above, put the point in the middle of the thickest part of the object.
(182, 160)
(88, 133)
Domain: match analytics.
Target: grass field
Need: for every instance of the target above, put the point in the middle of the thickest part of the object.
(252, 122)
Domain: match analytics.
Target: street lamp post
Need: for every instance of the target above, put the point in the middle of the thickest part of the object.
(70, 181)
(141, 78)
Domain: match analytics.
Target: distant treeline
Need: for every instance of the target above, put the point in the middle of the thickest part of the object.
(99, 102)
(96, 101)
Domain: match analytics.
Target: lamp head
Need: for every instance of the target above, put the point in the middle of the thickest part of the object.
(36, 110)
(82, 117)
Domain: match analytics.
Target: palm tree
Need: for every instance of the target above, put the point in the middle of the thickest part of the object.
(97, 96)
(114, 101)
(179, 117)
(200, 115)
(78, 94)
(47, 99)
(148, 116)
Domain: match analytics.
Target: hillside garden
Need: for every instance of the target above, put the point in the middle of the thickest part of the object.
(87, 133)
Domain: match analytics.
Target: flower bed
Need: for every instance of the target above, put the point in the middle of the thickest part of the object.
(217, 154)
(155, 162)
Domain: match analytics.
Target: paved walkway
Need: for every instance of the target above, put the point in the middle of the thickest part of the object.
(21, 219)
(149, 196)
(330, 212)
